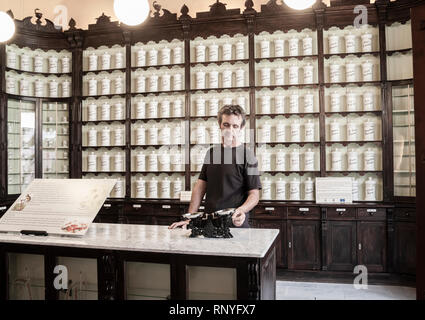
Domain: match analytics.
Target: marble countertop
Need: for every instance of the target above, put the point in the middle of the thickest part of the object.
(250, 243)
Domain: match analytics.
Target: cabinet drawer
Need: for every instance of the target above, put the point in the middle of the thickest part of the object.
(268, 212)
(167, 209)
(341, 213)
(371, 213)
(405, 214)
(303, 213)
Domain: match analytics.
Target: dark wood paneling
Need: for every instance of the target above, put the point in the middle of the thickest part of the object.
(404, 254)
(371, 247)
(341, 245)
(303, 244)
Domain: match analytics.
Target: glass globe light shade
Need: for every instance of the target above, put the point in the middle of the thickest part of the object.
(7, 27)
(131, 12)
(299, 4)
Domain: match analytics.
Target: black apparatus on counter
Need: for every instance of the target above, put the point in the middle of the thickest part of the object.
(211, 225)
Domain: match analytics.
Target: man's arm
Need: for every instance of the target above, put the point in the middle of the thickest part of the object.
(239, 215)
(198, 193)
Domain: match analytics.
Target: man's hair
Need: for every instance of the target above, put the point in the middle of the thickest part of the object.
(229, 109)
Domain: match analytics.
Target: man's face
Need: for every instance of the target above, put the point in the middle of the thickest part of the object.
(231, 129)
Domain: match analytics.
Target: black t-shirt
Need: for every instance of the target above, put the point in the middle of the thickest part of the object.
(230, 173)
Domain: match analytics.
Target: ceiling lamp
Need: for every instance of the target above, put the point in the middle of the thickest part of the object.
(299, 4)
(131, 12)
(7, 27)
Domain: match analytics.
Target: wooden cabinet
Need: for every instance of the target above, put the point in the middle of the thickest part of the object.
(371, 245)
(303, 244)
(341, 252)
(404, 254)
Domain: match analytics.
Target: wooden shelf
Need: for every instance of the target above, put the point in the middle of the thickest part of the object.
(328, 143)
(96, 72)
(157, 119)
(219, 63)
(287, 58)
(103, 147)
(157, 93)
(287, 115)
(109, 173)
(122, 121)
(357, 83)
(108, 96)
(357, 54)
(133, 173)
(289, 86)
(361, 113)
(219, 90)
(157, 67)
(287, 144)
(44, 74)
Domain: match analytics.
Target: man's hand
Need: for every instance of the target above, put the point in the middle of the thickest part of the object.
(179, 224)
(238, 217)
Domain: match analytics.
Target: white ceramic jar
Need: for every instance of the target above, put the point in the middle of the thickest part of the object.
(177, 55)
(350, 43)
(293, 46)
(280, 160)
(105, 139)
(307, 46)
(105, 162)
(92, 62)
(177, 81)
(241, 101)
(309, 161)
(177, 187)
(266, 191)
(92, 137)
(153, 57)
(367, 42)
(200, 53)
(367, 71)
(25, 62)
(200, 134)
(335, 101)
(153, 188)
(266, 132)
(334, 72)
(265, 49)
(105, 111)
(66, 87)
(350, 72)
(352, 131)
(164, 109)
(352, 160)
(227, 51)
(308, 103)
(53, 64)
(265, 161)
(213, 52)
(265, 104)
(165, 190)
(10, 85)
(106, 61)
(11, 59)
(213, 106)
(152, 161)
(295, 131)
(355, 186)
(38, 63)
(293, 74)
(152, 111)
(200, 79)
(140, 188)
(335, 131)
(141, 58)
(140, 109)
(336, 160)
(118, 111)
(92, 87)
(369, 157)
(368, 101)
(166, 82)
(368, 130)
(118, 137)
(370, 189)
(141, 83)
(294, 189)
(280, 189)
(294, 105)
(177, 108)
(279, 47)
(53, 88)
(153, 135)
(140, 162)
(309, 189)
(240, 50)
(92, 162)
(351, 101)
(280, 132)
(119, 60)
(309, 131)
(333, 44)
(279, 104)
(279, 76)
(177, 135)
(165, 56)
(240, 77)
(106, 86)
(153, 83)
(164, 161)
(227, 78)
(66, 64)
(294, 160)
(118, 162)
(213, 79)
(308, 74)
(39, 88)
(200, 107)
(265, 76)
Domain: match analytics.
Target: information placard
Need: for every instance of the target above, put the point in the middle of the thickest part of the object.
(57, 206)
(334, 190)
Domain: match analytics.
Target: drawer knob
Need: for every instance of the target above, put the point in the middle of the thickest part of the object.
(341, 213)
(371, 213)
(407, 214)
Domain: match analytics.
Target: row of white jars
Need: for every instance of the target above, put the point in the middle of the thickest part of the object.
(294, 46)
(353, 71)
(104, 136)
(104, 86)
(55, 106)
(287, 130)
(161, 82)
(158, 56)
(219, 52)
(153, 187)
(287, 189)
(37, 61)
(287, 103)
(354, 160)
(285, 159)
(103, 111)
(225, 78)
(103, 60)
(158, 133)
(157, 160)
(293, 75)
(107, 161)
(210, 106)
(350, 43)
(53, 117)
(28, 86)
(51, 140)
(208, 132)
(366, 130)
(168, 106)
(350, 100)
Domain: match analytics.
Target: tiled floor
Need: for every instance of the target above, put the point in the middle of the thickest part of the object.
(290, 290)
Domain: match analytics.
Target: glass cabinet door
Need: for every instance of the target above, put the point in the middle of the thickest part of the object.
(21, 144)
(55, 137)
(404, 141)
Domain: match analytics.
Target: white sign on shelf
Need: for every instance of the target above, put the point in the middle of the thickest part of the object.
(185, 196)
(57, 206)
(334, 190)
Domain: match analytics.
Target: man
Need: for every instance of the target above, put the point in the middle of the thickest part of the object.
(229, 176)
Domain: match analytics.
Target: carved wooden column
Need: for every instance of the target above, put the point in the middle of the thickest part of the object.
(107, 277)
(3, 120)
(127, 40)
